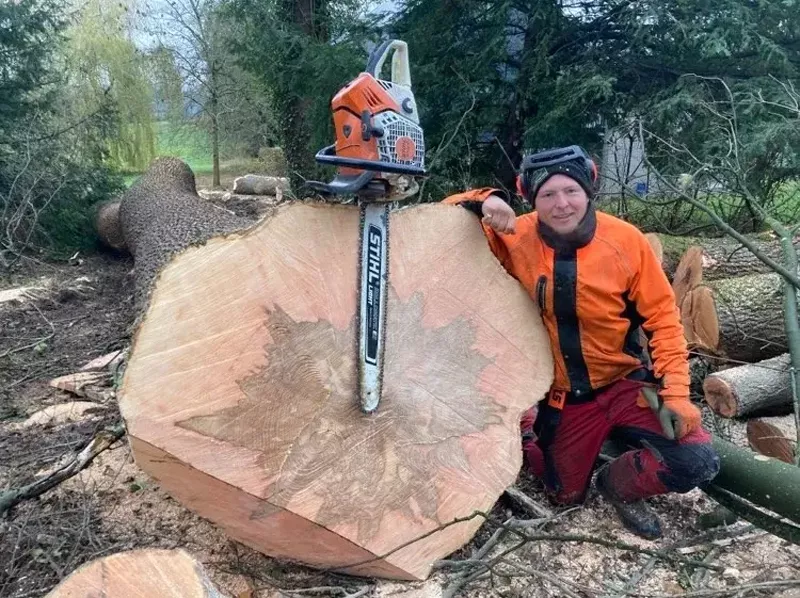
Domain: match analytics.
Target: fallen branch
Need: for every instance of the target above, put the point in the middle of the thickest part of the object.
(101, 441)
(469, 575)
(763, 520)
(527, 503)
(729, 591)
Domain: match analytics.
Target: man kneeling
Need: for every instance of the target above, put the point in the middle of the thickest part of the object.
(596, 281)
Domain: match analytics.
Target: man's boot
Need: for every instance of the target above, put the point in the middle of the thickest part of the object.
(636, 516)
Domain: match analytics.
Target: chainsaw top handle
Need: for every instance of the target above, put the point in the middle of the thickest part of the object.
(401, 74)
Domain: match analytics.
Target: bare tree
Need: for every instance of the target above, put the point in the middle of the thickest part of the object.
(194, 32)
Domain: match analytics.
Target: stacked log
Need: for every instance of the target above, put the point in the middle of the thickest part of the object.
(751, 388)
(739, 318)
(732, 309)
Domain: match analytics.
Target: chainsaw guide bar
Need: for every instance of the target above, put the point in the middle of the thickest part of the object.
(373, 283)
(380, 152)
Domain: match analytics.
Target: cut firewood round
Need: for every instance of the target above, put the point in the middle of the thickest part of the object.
(699, 319)
(146, 573)
(773, 436)
(689, 273)
(750, 388)
(241, 397)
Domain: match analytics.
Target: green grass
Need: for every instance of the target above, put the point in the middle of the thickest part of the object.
(186, 141)
(192, 144)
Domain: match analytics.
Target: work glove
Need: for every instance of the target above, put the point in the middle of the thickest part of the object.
(678, 416)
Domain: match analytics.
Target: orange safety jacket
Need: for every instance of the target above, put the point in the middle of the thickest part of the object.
(593, 300)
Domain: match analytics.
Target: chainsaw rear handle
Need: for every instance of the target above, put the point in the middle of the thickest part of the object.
(327, 155)
(401, 74)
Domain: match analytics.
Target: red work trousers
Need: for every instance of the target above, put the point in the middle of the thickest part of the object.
(653, 464)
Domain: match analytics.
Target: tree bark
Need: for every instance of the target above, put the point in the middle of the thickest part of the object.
(764, 481)
(106, 223)
(749, 316)
(161, 215)
(240, 392)
(751, 388)
(143, 573)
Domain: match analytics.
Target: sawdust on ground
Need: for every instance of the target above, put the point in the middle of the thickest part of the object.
(113, 506)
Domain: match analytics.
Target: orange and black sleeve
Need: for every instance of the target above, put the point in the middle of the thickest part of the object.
(655, 301)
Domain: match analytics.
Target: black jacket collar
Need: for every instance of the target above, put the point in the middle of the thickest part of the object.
(578, 238)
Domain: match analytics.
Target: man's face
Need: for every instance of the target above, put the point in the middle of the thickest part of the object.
(561, 203)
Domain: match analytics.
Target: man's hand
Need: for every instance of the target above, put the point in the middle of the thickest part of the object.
(678, 417)
(499, 215)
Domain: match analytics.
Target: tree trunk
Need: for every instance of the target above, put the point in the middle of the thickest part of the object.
(773, 436)
(748, 313)
(766, 482)
(241, 391)
(751, 388)
(722, 257)
(106, 223)
(214, 101)
(161, 215)
(143, 573)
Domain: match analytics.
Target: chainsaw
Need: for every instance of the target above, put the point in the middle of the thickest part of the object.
(380, 154)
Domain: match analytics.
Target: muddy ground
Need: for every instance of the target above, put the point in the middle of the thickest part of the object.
(81, 309)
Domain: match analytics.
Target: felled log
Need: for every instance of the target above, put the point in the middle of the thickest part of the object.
(144, 573)
(699, 320)
(745, 312)
(161, 214)
(655, 243)
(773, 436)
(722, 257)
(107, 225)
(764, 481)
(254, 184)
(240, 392)
(688, 274)
(750, 388)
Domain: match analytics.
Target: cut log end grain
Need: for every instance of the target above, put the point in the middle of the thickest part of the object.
(720, 396)
(699, 319)
(689, 273)
(770, 440)
(146, 573)
(240, 393)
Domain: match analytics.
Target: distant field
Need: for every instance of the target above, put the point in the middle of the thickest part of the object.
(191, 144)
